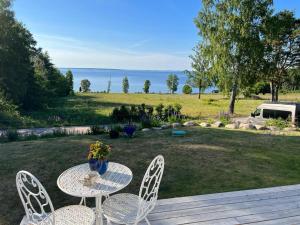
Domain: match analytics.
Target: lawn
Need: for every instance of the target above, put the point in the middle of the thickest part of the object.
(95, 108)
(207, 160)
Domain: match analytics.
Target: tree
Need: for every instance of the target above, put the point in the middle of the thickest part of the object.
(85, 85)
(172, 83)
(230, 33)
(187, 89)
(125, 84)
(16, 71)
(147, 86)
(69, 80)
(199, 77)
(282, 48)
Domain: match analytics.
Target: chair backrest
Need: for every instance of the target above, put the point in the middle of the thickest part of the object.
(35, 199)
(150, 185)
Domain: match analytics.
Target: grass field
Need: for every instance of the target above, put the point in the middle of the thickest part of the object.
(205, 161)
(92, 108)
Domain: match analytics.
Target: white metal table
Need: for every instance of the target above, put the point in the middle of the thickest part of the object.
(116, 178)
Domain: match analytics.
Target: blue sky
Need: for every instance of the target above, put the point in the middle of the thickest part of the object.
(127, 34)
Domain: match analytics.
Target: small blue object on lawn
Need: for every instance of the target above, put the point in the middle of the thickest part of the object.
(178, 133)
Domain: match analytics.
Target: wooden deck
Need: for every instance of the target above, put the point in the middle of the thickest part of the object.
(269, 206)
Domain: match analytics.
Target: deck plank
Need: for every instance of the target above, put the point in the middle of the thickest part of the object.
(269, 206)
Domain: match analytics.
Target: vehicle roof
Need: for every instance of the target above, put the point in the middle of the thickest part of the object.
(283, 103)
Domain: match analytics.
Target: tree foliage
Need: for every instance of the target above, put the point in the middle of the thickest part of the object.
(231, 44)
(125, 85)
(85, 85)
(200, 76)
(27, 76)
(172, 83)
(282, 49)
(69, 80)
(147, 85)
(187, 89)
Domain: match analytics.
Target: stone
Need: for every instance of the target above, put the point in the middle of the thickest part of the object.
(166, 126)
(175, 125)
(156, 128)
(274, 128)
(247, 126)
(203, 124)
(261, 127)
(217, 124)
(232, 126)
(146, 129)
(190, 124)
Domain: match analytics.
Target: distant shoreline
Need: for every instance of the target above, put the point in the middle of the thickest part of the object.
(95, 68)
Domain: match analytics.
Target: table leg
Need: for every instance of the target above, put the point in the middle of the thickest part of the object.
(99, 219)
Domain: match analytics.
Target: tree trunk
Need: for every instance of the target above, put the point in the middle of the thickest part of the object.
(276, 93)
(272, 87)
(233, 98)
(199, 94)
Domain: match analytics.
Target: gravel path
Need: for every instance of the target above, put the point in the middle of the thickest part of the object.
(51, 130)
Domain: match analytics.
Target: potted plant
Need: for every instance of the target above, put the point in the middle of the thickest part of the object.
(129, 129)
(98, 155)
(113, 134)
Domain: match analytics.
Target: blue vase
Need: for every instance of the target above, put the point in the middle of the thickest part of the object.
(129, 130)
(93, 163)
(102, 166)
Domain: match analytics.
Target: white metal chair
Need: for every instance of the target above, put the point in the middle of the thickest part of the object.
(131, 209)
(39, 209)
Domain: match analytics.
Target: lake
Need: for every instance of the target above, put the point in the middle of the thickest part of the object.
(99, 79)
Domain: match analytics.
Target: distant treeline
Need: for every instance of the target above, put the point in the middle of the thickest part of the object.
(27, 76)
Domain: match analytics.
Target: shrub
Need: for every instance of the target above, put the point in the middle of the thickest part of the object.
(187, 89)
(121, 114)
(114, 134)
(12, 135)
(280, 123)
(146, 123)
(159, 110)
(174, 119)
(155, 122)
(210, 121)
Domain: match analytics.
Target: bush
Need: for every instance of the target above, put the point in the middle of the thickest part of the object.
(280, 123)
(146, 123)
(155, 122)
(174, 119)
(12, 135)
(187, 89)
(114, 134)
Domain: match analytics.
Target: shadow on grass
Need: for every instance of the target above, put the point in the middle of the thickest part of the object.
(75, 110)
(205, 161)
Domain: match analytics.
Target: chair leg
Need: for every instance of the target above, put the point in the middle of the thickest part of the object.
(83, 201)
(147, 221)
(108, 222)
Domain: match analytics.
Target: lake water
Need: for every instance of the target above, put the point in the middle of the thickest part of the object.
(99, 79)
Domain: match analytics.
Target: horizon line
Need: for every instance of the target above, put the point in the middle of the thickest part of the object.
(99, 68)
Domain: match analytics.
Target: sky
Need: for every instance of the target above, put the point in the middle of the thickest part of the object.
(119, 34)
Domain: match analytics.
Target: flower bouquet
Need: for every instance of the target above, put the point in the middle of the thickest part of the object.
(97, 157)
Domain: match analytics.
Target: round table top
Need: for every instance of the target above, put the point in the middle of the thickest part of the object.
(116, 178)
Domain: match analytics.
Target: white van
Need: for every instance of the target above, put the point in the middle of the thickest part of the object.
(283, 110)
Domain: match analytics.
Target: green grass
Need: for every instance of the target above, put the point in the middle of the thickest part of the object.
(92, 108)
(205, 161)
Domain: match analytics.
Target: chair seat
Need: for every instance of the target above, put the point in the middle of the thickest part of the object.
(121, 208)
(69, 215)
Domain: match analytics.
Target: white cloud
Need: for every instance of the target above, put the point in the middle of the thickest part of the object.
(69, 52)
